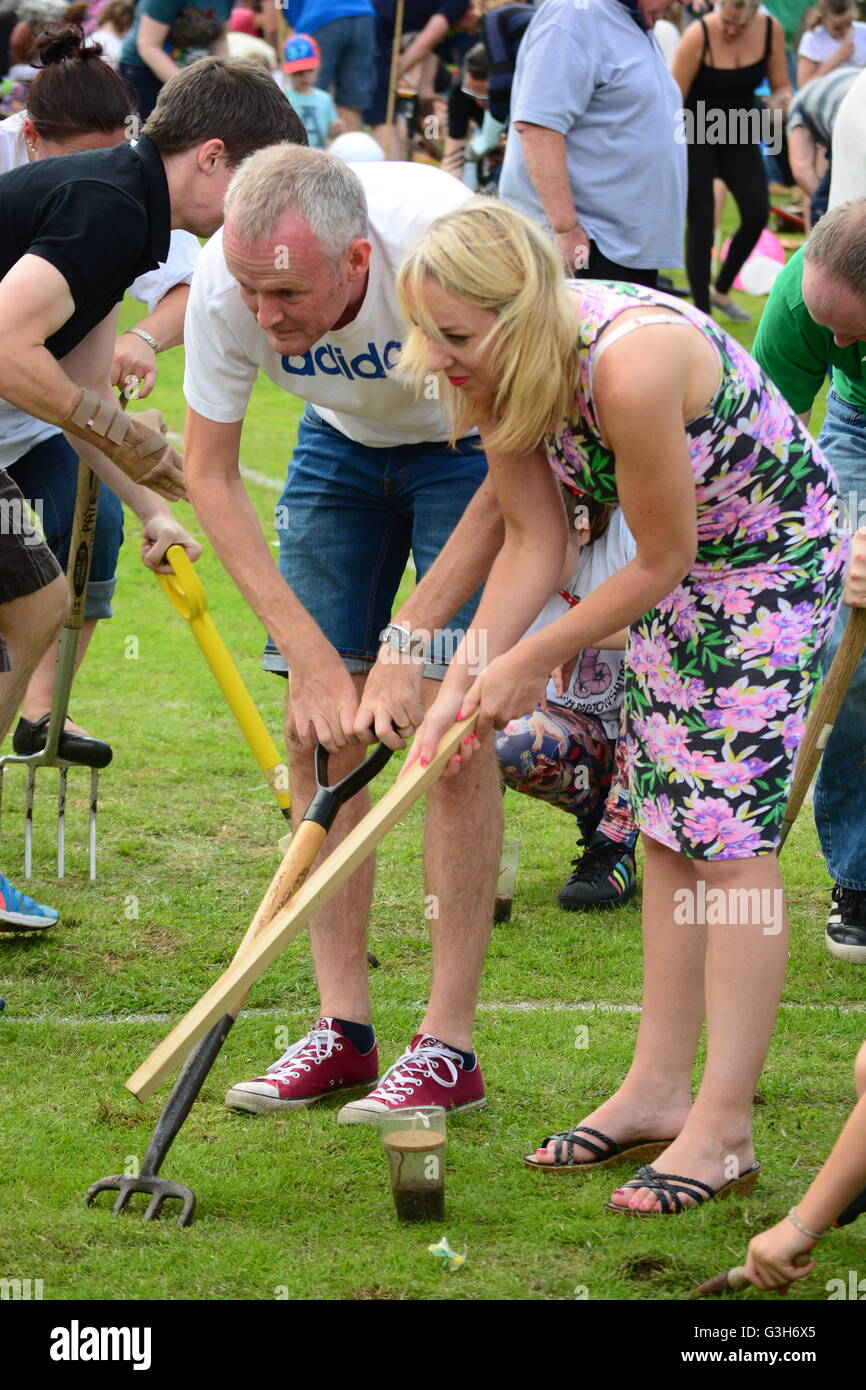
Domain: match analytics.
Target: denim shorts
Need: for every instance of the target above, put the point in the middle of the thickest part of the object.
(48, 477)
(347, 521)
(348, 59)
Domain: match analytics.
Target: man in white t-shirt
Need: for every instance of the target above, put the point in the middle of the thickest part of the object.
(848, 175)
(301, 287)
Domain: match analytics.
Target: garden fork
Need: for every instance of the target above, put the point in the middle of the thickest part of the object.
(77, 575)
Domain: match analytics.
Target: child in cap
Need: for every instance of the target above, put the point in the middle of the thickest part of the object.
(301, 59)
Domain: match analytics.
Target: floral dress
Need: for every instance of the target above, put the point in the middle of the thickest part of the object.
(720, 673)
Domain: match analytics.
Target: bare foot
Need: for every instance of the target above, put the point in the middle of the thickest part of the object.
(625, 1119)
(692, 1155)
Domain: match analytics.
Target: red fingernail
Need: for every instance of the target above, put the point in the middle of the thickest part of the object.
(468, 739)
(423, 761)
(460, 715)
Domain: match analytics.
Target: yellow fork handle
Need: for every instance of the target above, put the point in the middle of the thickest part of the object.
(185, 591)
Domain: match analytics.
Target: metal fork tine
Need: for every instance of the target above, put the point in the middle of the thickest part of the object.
(94, 790)
(61, 822)
(28, 823)
(122, 1200)
(154, 1207)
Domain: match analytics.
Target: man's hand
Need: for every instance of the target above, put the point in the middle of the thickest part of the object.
(157, 534)
(855, 580)
(322, 701)
(133, 366)
(573, 247)
(391, 699)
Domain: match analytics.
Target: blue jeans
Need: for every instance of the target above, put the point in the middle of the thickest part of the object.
(347, 521)
(48, 477)
(840, 791)
(348, 49)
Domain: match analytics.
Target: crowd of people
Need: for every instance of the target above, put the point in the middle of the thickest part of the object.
(633, 560)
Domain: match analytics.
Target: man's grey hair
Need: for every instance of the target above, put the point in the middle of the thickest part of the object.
(838, 244)
(315, 185)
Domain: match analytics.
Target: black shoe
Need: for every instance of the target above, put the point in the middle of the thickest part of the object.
(604, 876)
(75, 748)
(846, 925)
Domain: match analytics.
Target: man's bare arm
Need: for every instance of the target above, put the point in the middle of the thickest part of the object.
(35, 302)
(323, 698)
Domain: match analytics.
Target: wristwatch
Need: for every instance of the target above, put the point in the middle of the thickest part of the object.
(402, 640)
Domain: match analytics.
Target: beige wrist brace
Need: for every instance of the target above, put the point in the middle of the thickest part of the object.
(133, 442)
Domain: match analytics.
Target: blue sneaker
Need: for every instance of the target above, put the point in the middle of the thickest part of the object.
(17, 911)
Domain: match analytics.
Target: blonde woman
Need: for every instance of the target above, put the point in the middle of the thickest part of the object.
(636, 398)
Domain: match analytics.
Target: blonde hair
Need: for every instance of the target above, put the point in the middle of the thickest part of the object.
(494, 258)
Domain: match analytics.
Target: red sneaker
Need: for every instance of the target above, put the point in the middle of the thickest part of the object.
(428, 1074)
(321, 1064)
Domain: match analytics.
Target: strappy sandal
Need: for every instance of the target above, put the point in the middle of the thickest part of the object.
(666, 1187)
(611, 1153)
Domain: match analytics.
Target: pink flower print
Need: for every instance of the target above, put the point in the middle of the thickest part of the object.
(762, 520)
(819, 511)
(710, 820)
(782, 637)
(656, 819)
(793, 729)
(683, 692)
(666, 741)
(554, 450)
(682, 604)
(737, 774)
(727, 595)
(776, 423)
(702, 450)
(725, 519)
(648, 654)
(746, 708)
(836, 557)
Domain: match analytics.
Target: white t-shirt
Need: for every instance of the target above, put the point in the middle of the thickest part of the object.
(348, 375)
(596, 685)
(19, 433)
(111, 44)
(848, 166)
(818, 45)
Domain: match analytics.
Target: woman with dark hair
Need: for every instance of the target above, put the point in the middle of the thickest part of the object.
(77, 102)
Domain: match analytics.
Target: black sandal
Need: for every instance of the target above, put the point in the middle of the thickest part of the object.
(667, 1186)
(611, 1153)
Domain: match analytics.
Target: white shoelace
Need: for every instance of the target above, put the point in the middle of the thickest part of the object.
(319, 1044)
(399, 1081)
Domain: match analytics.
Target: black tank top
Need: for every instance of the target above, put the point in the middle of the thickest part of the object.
(729, 88)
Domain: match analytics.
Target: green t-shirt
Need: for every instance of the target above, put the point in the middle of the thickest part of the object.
(790, 15)
(795, 352)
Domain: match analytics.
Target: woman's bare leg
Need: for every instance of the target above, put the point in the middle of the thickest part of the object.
(745, 972)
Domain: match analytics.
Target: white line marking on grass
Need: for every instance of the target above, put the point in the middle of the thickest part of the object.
(261, 479)
(520, 1006)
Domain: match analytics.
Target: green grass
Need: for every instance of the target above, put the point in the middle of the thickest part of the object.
(293, 1205)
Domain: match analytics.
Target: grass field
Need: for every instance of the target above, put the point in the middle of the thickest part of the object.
(293, 1206)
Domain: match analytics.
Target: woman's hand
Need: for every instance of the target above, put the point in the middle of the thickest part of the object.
(779, 1256)
(133, 366)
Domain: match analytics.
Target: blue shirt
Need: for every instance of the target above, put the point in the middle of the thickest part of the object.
(306, 16)
(617, 106)
(317, 111)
